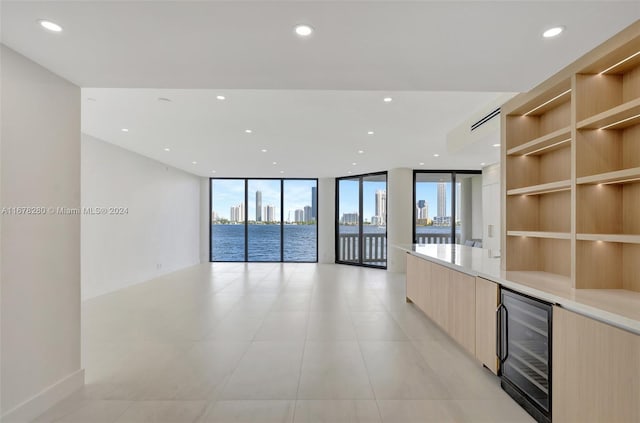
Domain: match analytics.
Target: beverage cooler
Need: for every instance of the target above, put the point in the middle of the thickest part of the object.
(524, 350)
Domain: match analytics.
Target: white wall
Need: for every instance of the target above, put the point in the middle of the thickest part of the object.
(476, 207)
(399, 216)
(326, 220)
(40, 275)
(205, 220)
(159, 234)
(491, 238)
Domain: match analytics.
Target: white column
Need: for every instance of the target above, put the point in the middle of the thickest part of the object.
(205, 220)
(399, 216)
(326, 220)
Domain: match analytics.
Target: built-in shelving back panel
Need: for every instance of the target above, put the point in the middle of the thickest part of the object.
(571, 149)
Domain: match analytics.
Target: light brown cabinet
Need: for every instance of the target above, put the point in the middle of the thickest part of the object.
(461, 318)
(446, 296)
(487, 300)
(596, 371)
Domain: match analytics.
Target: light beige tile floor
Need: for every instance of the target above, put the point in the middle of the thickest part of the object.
(303, 343)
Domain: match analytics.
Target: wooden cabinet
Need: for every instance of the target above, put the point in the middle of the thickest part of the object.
(571, 155)
(596, 371)
(487, 300)
(413, 278)
(446, 296)
(461, 304)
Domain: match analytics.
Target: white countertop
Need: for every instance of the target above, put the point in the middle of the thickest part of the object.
(617, 307)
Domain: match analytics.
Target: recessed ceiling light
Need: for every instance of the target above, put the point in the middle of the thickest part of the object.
(213, 171)
(248, 131)
(274, 163)
(354, 163)
(220, 97)
(387, 99)
(264, 150)
(370, 133)
(282, 171)
(553, 32)
(496, 145)
(436, 155)
(421, 163)
(167, 149)
(349, 172)
(51, 26)
(194, 162)
(125, 130)
(482, 164)
(303, 30)
(165, 99)
(360, 151)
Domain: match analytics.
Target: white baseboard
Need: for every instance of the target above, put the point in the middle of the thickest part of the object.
(41, 402)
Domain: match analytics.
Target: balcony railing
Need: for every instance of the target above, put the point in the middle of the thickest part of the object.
(436, 238)
(375, 248)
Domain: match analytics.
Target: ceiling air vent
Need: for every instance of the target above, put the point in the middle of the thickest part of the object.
(485, 119)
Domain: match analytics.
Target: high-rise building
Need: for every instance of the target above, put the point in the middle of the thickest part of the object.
(350, 218)
(236, 213)
(421, 203)
(314, 203)
(214, 216)
(381, 206)
(307, 214)
(442, 199)
(424, 212)
(269, 213)
(258, 206)
(299, 216)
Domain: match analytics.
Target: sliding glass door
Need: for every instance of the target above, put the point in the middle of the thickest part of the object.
(227, 220)
(446, 207)
(361, 220)
(264, 236)
(264, 220)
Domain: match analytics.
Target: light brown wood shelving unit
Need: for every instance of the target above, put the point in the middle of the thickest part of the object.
(571, 173)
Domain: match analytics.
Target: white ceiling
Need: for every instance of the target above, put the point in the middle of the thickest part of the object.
(309, 101)
(308, 133)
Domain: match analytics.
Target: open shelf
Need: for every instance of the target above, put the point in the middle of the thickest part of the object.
(617, 176)
(608, 156)
(542, 188)
(548, 171)
(607, 265)
(545, 142)
(548, 255)
(609, 209)
(628, 239)
(618, 117)
(539, 234)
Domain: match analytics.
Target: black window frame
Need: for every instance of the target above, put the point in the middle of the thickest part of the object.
(246, 219)
(360, 219)
(453, 174)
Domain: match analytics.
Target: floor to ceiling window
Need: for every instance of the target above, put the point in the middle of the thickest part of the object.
(447, 207)
(361, 220)
(264, 220)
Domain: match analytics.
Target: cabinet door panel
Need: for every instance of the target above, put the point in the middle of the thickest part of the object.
(438, 299)
(596, 371)
(413, 277)
(487, 293)
(461, 316)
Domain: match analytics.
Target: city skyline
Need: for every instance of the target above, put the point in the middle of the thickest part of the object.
(228, 193)
(349, 197)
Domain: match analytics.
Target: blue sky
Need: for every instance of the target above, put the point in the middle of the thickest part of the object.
(429, 191)
(230, 192)
(349, 197)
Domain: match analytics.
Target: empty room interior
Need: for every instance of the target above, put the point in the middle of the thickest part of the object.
(319, 211)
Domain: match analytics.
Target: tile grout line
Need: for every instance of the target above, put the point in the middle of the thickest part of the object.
(375, 397)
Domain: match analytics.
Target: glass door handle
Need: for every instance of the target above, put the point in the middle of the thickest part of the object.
(499, 330)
